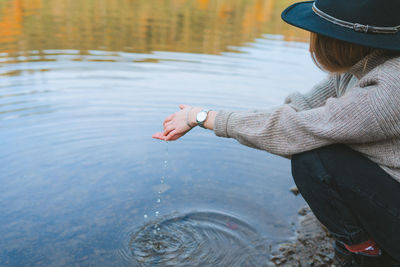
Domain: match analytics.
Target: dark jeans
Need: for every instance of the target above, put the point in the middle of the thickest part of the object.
(351, 195)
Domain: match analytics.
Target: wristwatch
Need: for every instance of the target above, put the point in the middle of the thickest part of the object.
(201, 117)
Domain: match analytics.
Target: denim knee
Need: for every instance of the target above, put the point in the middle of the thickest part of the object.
(308, 165)
(318, 187)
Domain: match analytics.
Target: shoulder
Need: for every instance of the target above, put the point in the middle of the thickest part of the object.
(386, 74)
(383, 88)
(384, 96)
(389, 72)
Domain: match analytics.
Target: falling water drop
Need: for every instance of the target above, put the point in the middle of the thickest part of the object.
(156, 229)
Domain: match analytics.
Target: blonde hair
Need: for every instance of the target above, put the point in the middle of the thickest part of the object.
(334, 55)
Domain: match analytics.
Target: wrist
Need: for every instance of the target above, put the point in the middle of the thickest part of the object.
(192, 116)
(209, 123)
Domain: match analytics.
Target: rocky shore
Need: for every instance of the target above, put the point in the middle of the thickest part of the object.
(312, 246)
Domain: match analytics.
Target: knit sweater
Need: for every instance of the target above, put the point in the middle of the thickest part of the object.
(360, 108)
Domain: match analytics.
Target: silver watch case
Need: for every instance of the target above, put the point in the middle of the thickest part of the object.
(201, 117)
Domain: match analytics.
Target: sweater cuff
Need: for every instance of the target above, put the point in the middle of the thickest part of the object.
(221, 123)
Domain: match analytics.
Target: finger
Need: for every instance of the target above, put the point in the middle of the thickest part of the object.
(158, 136)
(182, 106)
(168, 129)
(167, 124)
(173, 135)
(169, 118)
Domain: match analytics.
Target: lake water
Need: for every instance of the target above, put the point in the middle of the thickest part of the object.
(84, 85)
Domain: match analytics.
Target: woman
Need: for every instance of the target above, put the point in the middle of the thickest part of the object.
(343, 137)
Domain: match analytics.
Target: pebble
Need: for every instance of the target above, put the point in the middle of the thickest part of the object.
(312, 247)
(294, 190)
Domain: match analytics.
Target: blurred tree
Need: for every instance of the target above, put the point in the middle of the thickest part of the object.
(141, 26)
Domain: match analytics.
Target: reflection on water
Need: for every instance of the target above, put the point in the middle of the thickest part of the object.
(83, 86)
(197, 26)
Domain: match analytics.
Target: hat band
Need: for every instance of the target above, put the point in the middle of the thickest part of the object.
(355, 26)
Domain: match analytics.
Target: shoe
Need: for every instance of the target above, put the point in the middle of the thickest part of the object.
(367, 248)
(341, 253)
(343, 256)
(348, 259)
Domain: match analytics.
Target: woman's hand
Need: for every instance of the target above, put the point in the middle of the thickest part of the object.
(178, 124)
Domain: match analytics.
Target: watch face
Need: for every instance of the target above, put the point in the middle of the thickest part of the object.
(201, 116)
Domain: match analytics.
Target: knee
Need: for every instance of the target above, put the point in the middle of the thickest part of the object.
(322, 155)
(299, 161)
(311, 166)
(302, 165)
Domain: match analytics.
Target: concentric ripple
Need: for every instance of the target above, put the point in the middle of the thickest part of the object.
(197, 239)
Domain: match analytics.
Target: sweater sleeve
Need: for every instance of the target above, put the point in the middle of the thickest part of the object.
(317, 96)
(287, 131)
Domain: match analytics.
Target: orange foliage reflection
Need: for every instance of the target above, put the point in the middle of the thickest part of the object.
(199, 26)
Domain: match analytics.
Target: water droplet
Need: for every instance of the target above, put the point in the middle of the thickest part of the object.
(159, 192)
(159, 200)
(158, 228)
(165, 161)
(157, 213)
(154, 231)
(145, 216)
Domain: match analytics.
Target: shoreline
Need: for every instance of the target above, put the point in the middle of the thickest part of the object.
(312, 245)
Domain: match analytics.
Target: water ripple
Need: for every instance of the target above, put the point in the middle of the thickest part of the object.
(200, 238)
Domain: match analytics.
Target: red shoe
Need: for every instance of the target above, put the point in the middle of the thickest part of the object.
(367, 248)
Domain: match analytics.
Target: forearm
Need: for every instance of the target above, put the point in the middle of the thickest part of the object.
(209, 123)
(284, 132)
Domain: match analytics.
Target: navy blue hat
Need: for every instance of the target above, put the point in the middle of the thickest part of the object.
(373, 23)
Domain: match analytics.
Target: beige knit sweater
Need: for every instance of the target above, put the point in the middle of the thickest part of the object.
(360, 108)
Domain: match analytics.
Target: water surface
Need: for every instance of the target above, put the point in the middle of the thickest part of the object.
(84, 85)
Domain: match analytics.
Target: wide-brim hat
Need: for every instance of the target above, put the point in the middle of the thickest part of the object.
(373, 23)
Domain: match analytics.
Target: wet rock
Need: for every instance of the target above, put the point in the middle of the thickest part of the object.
(303, 211)
(312, 246)
(294, 190)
